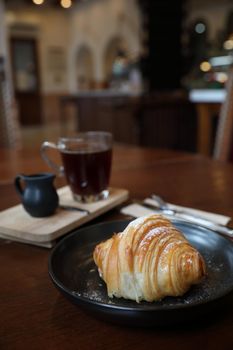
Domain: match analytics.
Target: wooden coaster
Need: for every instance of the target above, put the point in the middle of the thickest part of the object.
(16, 223)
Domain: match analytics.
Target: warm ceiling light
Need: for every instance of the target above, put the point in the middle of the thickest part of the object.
(228, 44)
(38, 2)
(205, 66)
(66, 3)
(221, 77)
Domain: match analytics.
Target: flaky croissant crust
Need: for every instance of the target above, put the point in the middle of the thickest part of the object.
(149, 260)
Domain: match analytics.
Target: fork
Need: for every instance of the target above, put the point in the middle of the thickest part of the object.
(162, 205)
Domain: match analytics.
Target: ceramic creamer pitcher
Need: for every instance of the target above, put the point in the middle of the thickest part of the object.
(38, 194)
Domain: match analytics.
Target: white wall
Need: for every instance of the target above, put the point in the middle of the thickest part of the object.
(4, 49)
(54, 35)
(97, 24)
(51, 29)
(94, 24)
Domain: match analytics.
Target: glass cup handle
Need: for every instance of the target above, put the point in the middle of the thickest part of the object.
(57, 168)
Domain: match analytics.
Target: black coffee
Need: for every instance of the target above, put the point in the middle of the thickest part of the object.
(87, 171)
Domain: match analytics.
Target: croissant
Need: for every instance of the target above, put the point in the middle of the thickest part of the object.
(149, 260)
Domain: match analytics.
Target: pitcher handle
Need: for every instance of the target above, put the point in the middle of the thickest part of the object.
(57, 168)
(18, 184)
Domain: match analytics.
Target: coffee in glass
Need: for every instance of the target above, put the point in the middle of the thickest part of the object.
(87, 160)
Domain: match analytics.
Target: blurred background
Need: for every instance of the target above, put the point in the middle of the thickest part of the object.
(145, 70)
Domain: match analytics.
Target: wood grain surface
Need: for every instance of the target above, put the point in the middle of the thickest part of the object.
(15, 222)
(34, 315)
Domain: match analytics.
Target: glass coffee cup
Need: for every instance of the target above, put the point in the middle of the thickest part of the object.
(87, 160)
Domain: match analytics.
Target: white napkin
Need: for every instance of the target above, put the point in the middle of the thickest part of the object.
(137, 210)
(196, 213)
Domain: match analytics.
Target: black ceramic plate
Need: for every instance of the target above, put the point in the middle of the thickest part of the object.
(73, 271)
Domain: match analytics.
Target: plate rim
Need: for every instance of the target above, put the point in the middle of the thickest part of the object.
(152, 305)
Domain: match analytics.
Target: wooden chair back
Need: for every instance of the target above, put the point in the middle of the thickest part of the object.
(10, 136)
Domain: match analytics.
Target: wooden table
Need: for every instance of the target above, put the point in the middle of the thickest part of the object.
(34, 315)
